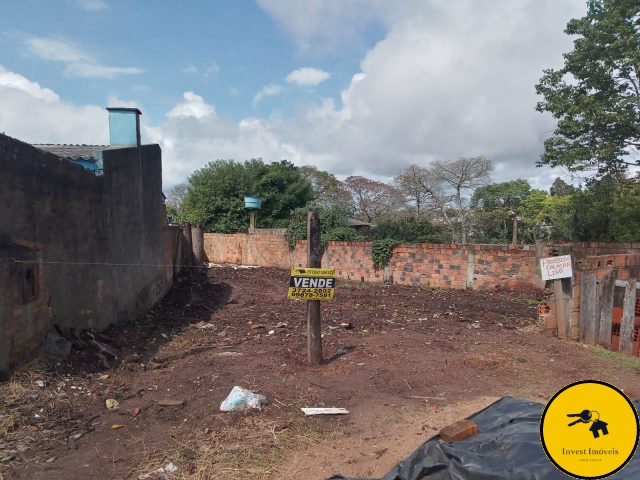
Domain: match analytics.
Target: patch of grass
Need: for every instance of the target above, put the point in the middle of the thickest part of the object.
(616, 359)
(436, 359)
(445, 290)
(528, 301)
(519, 359)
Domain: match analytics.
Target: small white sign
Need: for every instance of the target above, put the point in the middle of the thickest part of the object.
(556, 267)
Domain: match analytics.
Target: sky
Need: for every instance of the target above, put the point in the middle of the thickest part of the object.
(357, 87)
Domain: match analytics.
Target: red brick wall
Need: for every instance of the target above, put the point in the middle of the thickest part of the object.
(432, 265)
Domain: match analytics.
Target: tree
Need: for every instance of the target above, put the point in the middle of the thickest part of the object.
(216, 194)
(332, 223)
(501, 202)
(456, 178)
(408, 230)
(607, 210)
(528, 215)
(410, 183)
(562, 188)
(596, 95)
(176, 195)
(325, 185)
(372, 200)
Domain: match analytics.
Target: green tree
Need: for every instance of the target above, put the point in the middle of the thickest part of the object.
(561, 188)
(596, 95)
(607, 210)
(325, 185)
(408, 230)
(216, 194)
(529, 228)
(332, 223)
(556, 217)
(496, 205)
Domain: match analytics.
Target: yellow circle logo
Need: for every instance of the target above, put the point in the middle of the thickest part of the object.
(589, 429)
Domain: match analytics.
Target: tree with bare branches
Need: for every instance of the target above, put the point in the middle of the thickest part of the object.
(177, 194)
(410, 182)
(459, 177)
(372, 200)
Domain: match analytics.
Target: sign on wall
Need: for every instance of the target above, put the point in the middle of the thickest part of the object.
(556, 267)
(312, 283)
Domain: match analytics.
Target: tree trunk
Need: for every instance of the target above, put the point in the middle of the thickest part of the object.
(514, 240)
(197, 237)
(187, 250)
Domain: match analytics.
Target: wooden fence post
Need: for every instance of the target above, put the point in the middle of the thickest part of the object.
(588, 301)
(628, 317)
(314, 319)
(606, 310)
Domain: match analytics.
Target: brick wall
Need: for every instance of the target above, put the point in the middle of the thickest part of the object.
(433, 265)
(103, 237)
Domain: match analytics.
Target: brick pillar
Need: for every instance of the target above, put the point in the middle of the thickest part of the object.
(187, 250)
(197, 239)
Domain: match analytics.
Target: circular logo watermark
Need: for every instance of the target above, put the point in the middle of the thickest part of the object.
(589, 429)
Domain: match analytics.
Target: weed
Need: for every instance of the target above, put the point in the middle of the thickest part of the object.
(519, 359)
(617, 360)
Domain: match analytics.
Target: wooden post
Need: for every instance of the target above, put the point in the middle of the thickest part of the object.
(606, 310)
(197, 243)
(588, 308)
(514, 238)
(560, 309)
(252, 219)
(314, 325)
(628, 318)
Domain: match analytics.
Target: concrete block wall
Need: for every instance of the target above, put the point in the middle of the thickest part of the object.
(102, 236)
(25, 323)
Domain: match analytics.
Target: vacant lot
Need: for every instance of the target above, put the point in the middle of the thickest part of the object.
(416, 360)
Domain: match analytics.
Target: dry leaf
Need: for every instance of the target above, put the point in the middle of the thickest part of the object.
(111, 403)
(116, 426)
(103, 377)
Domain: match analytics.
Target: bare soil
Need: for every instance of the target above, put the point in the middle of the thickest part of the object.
(413, 360)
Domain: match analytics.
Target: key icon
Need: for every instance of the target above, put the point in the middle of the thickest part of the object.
(584, 417)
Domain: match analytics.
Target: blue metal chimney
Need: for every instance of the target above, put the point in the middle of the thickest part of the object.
(124, 127)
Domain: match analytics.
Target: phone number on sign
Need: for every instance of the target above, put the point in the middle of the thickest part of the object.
(311, 292)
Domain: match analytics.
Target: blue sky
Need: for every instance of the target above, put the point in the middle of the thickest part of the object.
(227, 51)
(365, 87)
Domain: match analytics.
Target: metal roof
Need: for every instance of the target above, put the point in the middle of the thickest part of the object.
(72, 151)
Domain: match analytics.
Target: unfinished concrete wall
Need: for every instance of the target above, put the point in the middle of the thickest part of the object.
(102, 237)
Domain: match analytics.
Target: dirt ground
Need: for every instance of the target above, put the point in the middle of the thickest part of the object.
(413, 360)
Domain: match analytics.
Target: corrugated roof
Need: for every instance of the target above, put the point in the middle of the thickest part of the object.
(72, 151)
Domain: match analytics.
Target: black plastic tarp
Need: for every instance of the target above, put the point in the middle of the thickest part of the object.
(507, 447)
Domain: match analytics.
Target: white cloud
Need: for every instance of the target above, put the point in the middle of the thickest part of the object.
(35, 114)
(194, 106)
(114, 101)
(78, 63)
(271, 89)
(447, 80)
(307, 77)
(92, 5)
(190, 69)
(211, 69)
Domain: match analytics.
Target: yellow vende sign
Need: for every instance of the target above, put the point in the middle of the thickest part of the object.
(312, 283)
(589, 429)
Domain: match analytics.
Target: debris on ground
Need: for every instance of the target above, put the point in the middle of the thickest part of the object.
(241, 398)
(155, 475)
(111, 403)
(324, 411)
(170, 403)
